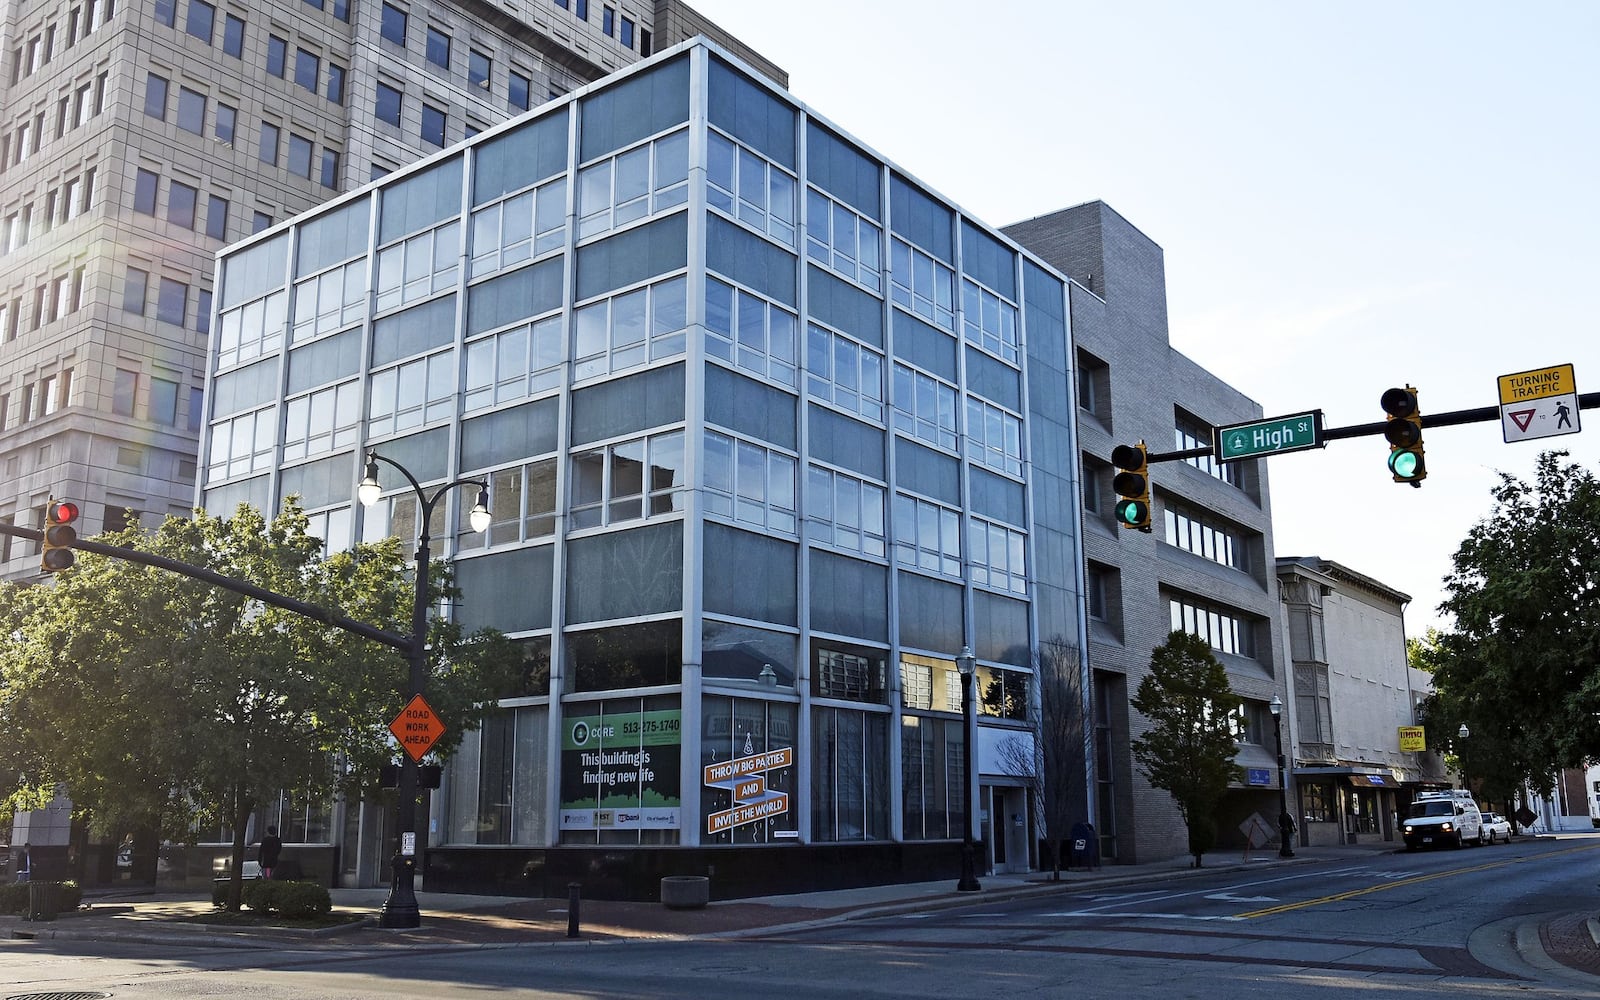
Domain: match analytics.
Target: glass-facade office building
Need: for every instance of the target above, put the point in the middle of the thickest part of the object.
(772, 433)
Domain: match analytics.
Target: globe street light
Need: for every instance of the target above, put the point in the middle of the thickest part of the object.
(1285, 821)
(1461, 760)
(400, 909)
(966, 664)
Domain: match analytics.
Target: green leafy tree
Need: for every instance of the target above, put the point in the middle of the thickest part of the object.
(1522, 665)
(1189, 748)
(165, 703)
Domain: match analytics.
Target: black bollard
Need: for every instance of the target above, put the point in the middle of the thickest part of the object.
(573, 889)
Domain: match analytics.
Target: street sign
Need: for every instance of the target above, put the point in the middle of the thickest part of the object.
(416, 727)
(1413, 738)
(1538, 404)
(1272, 436)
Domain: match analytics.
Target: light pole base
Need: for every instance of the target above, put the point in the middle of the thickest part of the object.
(969, 873)
(400, 909)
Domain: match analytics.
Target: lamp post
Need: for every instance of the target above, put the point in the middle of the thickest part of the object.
(1285, 821)
(1461, 760)
(967, 664)
(400, 909)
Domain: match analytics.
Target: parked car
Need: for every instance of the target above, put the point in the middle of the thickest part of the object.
(221, 867)
(1444, 818)
(1496, 827)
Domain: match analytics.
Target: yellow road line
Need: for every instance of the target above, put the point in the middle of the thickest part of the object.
(1353, 893)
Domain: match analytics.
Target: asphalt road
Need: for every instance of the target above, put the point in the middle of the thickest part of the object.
(1381, 927)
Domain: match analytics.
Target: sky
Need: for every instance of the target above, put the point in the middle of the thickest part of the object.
(1349, 197)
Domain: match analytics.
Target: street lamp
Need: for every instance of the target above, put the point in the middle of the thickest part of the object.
(1285, 821)
(400, 909)
(967, 664)
(1461, 760)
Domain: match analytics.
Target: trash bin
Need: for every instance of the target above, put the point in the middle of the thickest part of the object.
(44, 899)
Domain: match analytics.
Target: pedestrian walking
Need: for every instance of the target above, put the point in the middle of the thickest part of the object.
(271, 847)
(25, 864)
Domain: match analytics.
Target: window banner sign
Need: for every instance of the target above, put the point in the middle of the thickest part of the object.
(620, 771)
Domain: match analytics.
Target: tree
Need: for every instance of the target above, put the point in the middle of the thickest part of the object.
(1189, 747)
(1059, 765)
(165, 703)
(1522, 665)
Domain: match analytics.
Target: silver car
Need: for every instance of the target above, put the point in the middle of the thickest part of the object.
(1496, 827)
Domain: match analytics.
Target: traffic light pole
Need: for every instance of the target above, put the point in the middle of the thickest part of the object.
(1477, 415)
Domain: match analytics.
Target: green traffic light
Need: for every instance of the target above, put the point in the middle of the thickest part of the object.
(1132, 512)
(1405, 464)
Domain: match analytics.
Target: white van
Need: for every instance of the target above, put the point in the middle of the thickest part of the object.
(1448, 817)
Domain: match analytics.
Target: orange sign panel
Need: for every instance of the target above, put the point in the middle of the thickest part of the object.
(417, 728)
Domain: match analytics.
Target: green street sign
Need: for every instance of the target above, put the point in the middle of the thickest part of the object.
(1272, 436)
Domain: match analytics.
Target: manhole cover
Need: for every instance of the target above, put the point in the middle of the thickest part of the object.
(70, 995)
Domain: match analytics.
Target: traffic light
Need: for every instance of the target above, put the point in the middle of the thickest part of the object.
(59, 534)
(1404, 431)
(1132, 484)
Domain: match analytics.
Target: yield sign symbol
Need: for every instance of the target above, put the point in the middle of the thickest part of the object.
(1522, 418)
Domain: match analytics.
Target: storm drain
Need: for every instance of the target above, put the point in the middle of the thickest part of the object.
(69, 995)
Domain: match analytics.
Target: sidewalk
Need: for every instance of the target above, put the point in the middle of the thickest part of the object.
(450, 920)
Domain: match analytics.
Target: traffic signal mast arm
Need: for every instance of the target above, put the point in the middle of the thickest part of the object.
(314, 611)
(1587, 401)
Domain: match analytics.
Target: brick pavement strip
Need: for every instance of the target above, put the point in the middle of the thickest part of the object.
(1568, 941)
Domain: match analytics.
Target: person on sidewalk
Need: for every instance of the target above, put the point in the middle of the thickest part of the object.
(271, 848)
(25, 864)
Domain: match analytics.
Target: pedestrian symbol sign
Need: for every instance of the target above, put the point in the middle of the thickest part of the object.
(417, 728)
(1538, 404)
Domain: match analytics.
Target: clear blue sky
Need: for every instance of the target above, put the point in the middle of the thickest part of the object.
(1350, 196)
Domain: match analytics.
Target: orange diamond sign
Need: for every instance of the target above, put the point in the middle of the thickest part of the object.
(416, 727)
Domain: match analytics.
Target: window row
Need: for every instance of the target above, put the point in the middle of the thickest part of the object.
(39, 398)
(63, 203)
(78, 104)
(59, 297)
(160, 398)
(299, 155)
(746, 186)
(389, 106)
(172, 299)
(82, 21)
(622, 29)
(630, 329)
(842, 372)
(1223, 630)
(628, 480)
(437, 45)
(750, 482)
(751, 332)
(1203, 537)
(182, 207)
(840, 238)
(1189, 434)
(519, 228)
(989, 321)
(641, 182)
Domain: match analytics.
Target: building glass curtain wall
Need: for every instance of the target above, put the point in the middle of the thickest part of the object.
(712, 356)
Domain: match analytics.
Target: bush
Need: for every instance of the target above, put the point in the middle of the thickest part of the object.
(290, 900)
(13, 898)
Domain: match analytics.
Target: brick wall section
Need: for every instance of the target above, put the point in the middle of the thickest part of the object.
(1119, 315)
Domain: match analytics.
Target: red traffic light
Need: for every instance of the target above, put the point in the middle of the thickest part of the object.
(56, 554)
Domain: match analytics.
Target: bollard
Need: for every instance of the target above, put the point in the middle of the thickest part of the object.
(573, 891)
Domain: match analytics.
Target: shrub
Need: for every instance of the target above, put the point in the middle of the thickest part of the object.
(13, 898)
(302, 900)
(71, 896)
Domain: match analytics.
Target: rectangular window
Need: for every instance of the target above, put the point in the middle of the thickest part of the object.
(998, 557)
(155, 97)
(227, 119)
(324, 420)
(927, 535)
(761, 194)
(433, 125)
(626, 36)
(633, 185)
(629, 329)
(233, 36)
(1223, 630)
(438, 49)
(182, 202)
(135, 290)
(514, 364)
(216, 217)
(418, 392)
(167, 12)
(418, 267)
(307, 69)
(299, 155)
(845, 512)
(277, 55)
(191, 111)
(1190, 434)
(922, 284)
(125, 385)
(924, 407)
(608, 21)
(394, 25)
(519, 91)
(988, 321)
(202, 19)
(335, 83)
(844, 373)
(994, 437)
(628, 480)
(202, 314)
(171, 301)
(144, 191)
(269, 143)
(479, 68)
(164, 401)
(329, 175)
(837, 237)
(749, 482)
(388, 105)
(581, 9)
(751, 332)
(260, 221)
